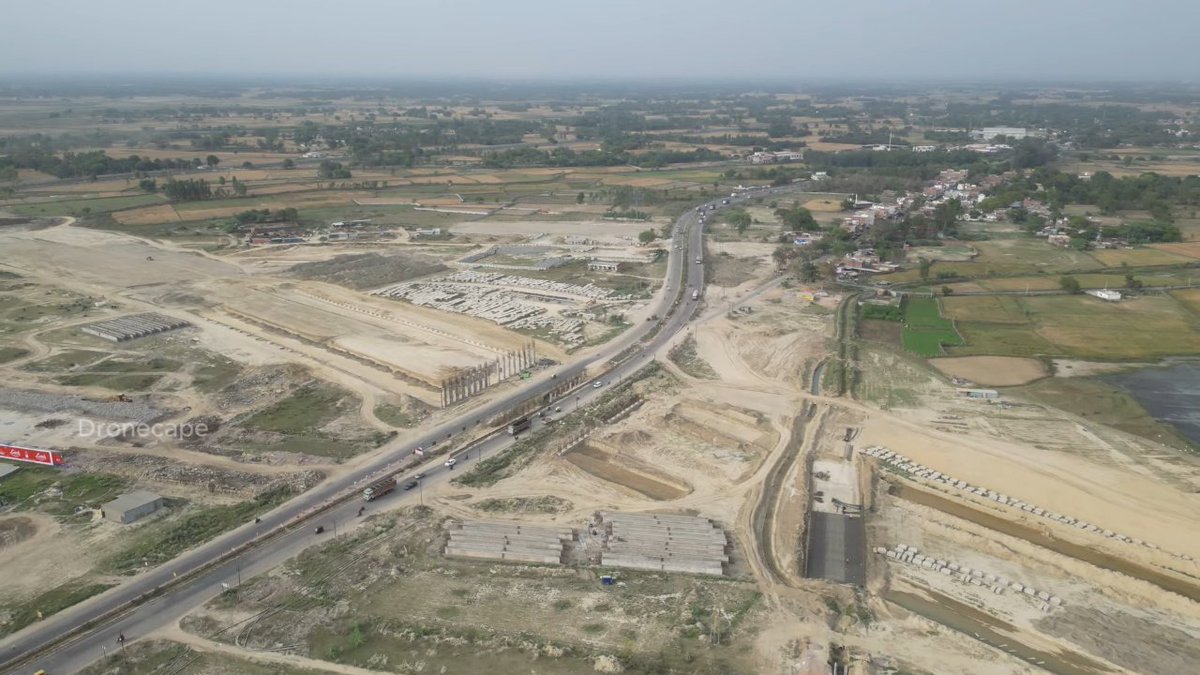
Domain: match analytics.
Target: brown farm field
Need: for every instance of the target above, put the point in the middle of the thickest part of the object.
(1189, 249)
(1161, 254)
(992, 371)
(1189, 298)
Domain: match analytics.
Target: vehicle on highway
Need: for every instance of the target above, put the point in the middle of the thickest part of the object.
(379, 488)
(695, 293)
(558, 408)
(597, 384)
(419, 476)
(518, 425)
(451, 462)
(319, 530)
(411, 484)
(698, 260)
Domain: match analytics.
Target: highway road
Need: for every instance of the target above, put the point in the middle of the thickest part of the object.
(293, 531)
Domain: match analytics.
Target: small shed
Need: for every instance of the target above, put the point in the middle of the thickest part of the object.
(6, 469)
(133, 506)
(603, 266)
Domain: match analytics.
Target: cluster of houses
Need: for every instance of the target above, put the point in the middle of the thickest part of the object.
(862, 261)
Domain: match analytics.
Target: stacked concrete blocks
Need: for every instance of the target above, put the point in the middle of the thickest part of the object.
(665, 543)
(510, 542)
(133, 326)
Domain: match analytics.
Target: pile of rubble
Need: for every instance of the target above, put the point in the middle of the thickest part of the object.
(42, 402)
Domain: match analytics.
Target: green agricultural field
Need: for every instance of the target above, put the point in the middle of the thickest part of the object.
(1000, 257)
(70, 207)
(1080, 326)
(986, 309)
(925, 330)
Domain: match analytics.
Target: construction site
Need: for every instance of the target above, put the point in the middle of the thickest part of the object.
(727, 511)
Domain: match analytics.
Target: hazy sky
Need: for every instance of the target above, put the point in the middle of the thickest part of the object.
(610, 39)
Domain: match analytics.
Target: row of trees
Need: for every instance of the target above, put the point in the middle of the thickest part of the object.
(286, 215)
(89, 164)
(187, 190)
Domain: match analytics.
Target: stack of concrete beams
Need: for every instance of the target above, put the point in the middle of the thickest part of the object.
(512, 542)
(133, 326)
(651, 541)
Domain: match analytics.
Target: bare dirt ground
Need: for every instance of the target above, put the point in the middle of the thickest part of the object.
(1096, 604)
(601, 230)
(992, 371)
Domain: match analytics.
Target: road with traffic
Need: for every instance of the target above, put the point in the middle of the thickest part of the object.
(180, 585)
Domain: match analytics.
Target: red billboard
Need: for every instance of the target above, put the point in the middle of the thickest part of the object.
(31, 455)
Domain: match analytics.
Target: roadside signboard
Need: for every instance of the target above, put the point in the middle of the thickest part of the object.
(31, 455)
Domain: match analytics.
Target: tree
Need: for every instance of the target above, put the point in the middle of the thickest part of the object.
(330, 169)
(1133, 283)
(188, 190)
(647, 236)
(808, 272)
(923, 270)
(946, 290)
(1070, 284)
(739, 218)
(247, 165)
(148, 185)
(212, 161)
(797, 219)
(579, 198)
(289, 164)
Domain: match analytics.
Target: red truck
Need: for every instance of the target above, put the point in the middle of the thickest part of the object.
(379, 489)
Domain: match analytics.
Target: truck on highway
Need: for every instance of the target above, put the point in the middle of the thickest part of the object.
(518, 425)
(379, 488)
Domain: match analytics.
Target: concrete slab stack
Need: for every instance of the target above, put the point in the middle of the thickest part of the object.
(511, 542)
(133, 326)
(665, 543)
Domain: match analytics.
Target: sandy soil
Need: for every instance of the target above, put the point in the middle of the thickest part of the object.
(1104, 495)
(992, 371)
(1079, 368)
(72, 557)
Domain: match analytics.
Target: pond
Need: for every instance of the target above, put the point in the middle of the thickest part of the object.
(1170, 393)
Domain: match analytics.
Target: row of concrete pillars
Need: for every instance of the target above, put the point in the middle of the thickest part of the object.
(474, 380)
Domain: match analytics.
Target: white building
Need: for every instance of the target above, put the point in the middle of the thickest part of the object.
(1106, 294)
(604, 266)
(988, 133)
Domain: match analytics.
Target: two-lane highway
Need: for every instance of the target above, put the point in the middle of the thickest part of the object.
(292, 524)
